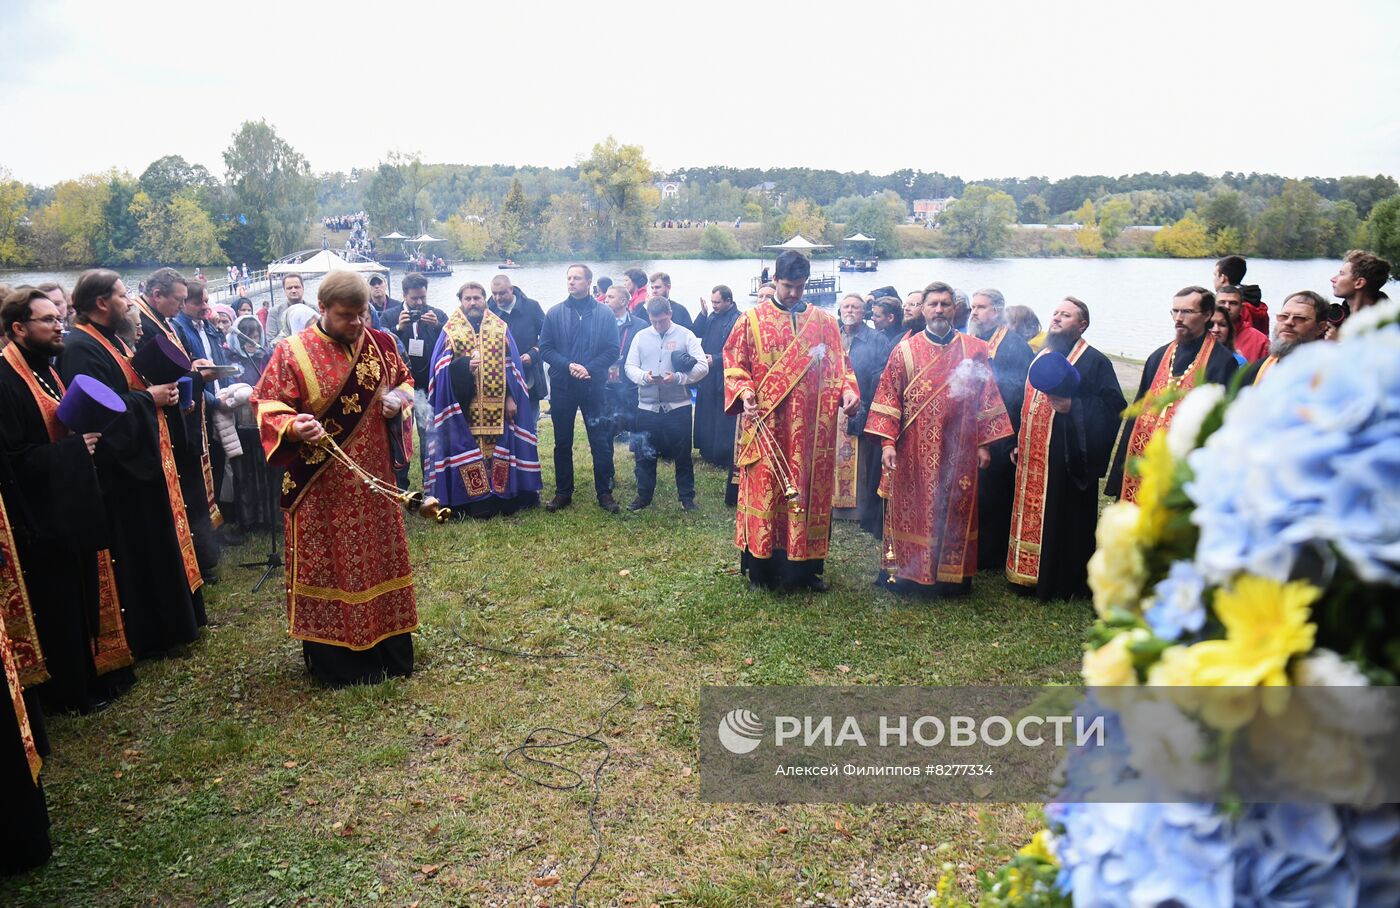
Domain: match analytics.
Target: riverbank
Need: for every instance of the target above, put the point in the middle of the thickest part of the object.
(227, 777)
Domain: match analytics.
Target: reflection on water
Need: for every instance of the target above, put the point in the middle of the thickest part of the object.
(1128, 298)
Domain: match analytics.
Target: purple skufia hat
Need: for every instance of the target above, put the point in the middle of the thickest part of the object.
(1051, 373)
(160, 362)
(89, 406)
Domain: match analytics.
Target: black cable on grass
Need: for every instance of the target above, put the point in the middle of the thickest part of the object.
(527, 748)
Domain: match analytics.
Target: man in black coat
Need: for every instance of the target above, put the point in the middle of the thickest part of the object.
(714, 429)
(1011, 358)
(580, 342)
(621, 392)
(525, 319)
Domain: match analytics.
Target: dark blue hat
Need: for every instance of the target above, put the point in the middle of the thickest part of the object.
(1054, 375)
(89, 406)
(160, 361)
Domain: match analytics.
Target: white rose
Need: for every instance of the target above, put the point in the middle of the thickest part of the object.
(1167, 746)
(1188, 417)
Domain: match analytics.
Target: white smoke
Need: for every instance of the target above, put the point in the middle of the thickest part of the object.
(968, 379)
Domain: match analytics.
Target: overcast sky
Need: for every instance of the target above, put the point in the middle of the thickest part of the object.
(979, 89)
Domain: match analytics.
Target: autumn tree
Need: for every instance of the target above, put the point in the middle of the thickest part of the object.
(978, 225)
(566, 227)
(620, 177)
(1186, 239)
(1088, 236)
(273, 185)
(13, 210)
(1115, 216)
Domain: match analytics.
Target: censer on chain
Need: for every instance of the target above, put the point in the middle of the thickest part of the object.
(778, 463)
(415, 502)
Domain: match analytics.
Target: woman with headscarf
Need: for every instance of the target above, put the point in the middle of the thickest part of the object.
(253, 479)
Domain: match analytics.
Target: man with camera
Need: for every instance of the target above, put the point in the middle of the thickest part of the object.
(1357, 284)
(1303, 318)
(663, 361)
(417, 325)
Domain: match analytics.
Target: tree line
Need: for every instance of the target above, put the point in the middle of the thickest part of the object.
(267, 203)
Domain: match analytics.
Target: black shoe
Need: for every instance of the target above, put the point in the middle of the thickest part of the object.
(608, 503)
(689, 506)
(637, 504)
(230, 536)
(558, 503)
(816, 585)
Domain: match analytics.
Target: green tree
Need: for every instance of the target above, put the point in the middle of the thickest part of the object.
(1383, 230)
(1292, 225)
(13, 211)
(1366, 192)
(192, 238)
(386, 199)
(1340, 228)
(1226, 210)
(719, 243)
(1115, 215)
(567, 227)
(876, 219)
(511, 222)
(169, 176)
(1227, 241)
(1034, 210)
(620, 177)
(978, 225)
(273, 185)
(1186, 239)
(121, 233)
(470, 239)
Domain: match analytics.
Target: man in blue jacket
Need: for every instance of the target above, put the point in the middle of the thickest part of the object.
(579, 342)
(203, 341)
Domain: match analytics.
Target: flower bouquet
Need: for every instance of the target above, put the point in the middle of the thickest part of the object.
(1255, 588)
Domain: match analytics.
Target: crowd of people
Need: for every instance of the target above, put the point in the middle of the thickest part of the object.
(140, 433)
(357, 221)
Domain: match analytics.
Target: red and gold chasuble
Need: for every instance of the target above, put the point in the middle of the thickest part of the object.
(110, 650)
(25, 656)
(349, 582)
(16, 694)
(176, 499)
(210, 495)
(1151, 419)
(938, 404)
(1032, 481)
(847, 454)
(796, 367)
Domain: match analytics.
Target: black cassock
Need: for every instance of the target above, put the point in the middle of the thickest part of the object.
(996, 485)
(59, 521)
(1219, 369)
(714, 429)
(158, 608)
(187, 440)
(1080, 443)
(24, 820)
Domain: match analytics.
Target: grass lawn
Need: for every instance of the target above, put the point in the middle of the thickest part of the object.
(227, 778)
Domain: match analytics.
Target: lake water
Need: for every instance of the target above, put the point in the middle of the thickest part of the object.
(1128, 299)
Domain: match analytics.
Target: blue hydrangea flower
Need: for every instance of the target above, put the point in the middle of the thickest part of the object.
(1177, 608)
(1307, 459)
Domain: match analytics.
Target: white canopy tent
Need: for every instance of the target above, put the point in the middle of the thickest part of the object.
(425, 238)
(324, 262)
(860, 238)
(393, 236)
(800, 243)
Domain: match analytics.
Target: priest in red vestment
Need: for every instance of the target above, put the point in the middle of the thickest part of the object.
(936, 410)
(785, 370)
(349, 584)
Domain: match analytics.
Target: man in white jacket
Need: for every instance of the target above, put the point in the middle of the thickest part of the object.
(663, 361)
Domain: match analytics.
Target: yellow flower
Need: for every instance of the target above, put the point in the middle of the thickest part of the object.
(1039, 847)
(1117, 570)
(1174, 668)
(1156, 469)
(1111, 665)
(1266, 624)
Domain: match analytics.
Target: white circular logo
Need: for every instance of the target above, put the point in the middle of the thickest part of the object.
(740, 731)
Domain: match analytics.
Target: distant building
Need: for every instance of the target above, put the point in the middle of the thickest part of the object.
(769, 191)
(669, 189)
(926, 210)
